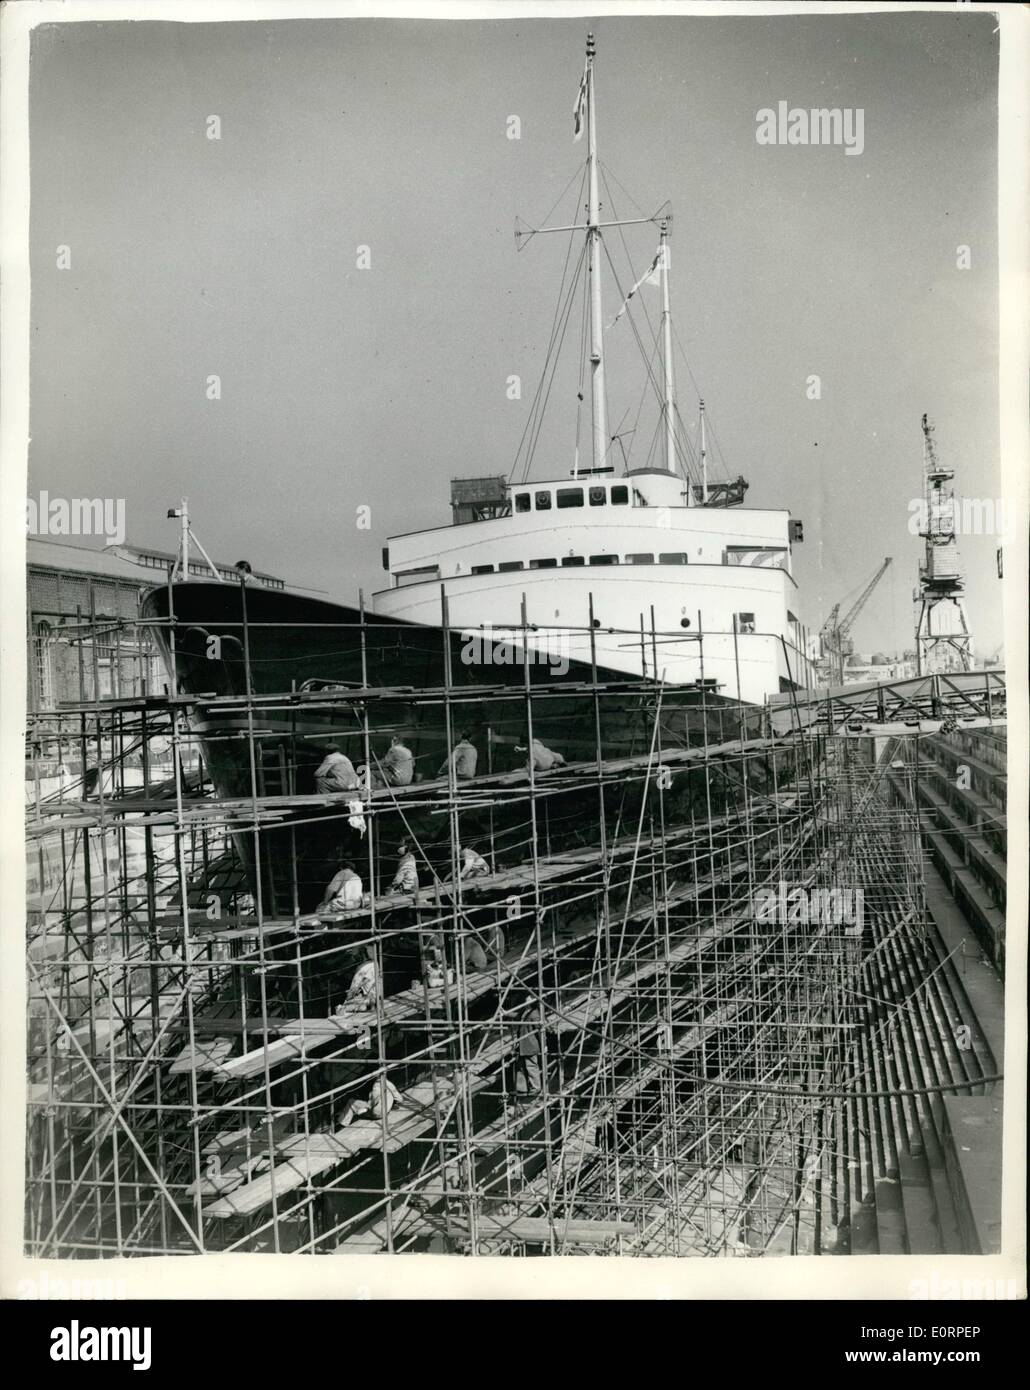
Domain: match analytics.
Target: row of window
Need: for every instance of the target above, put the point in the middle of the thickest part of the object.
(670, 557)
(618, 496)
(162, 562)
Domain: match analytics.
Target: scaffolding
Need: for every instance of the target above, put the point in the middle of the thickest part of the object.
(693, 1006)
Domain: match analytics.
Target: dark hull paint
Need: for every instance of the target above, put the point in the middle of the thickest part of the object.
(293, 640)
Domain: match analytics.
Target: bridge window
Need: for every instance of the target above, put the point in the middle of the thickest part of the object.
(523, 501)
(673, 557)
(482, 569)
(604, 559)
(641, 558)
(745, 622)
(620, 496)
(570, 496)
(418, 576)
(598, 496)
(569, 560)
(506, 566)
(543, 564)
(543, 501)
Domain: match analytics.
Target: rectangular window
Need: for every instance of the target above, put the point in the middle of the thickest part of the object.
(506, 566)
(745, 622)
(570, 496)
(570, 560)
(598, 496)
(759, 556)
(522, 502)
(482, 569)
(604, 559)
(640, 559)
(620, 496)
(543, 501)
(543, 564)
(673, 557)
(418, 576)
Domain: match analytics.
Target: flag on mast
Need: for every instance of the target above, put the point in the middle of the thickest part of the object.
(579, 110)
(651, 276)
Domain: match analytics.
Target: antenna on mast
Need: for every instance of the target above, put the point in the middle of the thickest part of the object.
(704, 455)
(669, 400)
(599, 401)
(181, 568)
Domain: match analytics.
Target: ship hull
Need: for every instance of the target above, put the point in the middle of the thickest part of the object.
(293, 642)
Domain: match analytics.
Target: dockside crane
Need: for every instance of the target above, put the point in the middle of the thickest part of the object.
(834, 637)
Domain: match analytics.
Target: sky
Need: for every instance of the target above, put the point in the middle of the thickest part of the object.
(343, 387)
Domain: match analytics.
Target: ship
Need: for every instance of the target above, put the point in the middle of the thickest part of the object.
(655, 584)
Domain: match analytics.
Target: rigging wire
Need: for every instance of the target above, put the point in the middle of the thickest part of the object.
(541, 409)
(554, 325)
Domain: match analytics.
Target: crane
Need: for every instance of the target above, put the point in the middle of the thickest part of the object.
(833, 635)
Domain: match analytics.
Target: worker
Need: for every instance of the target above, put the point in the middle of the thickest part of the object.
(435, 972)
(542, 758)
(375, 1106)
(364, 986)
(463, 759)
(528, 1072)
(398, 763)
(343, 891)
(335, 773)
(405, 880)
(483, 951)
(471, 865)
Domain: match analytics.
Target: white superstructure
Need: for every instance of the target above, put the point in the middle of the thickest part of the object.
(645, 573)
(632, 548)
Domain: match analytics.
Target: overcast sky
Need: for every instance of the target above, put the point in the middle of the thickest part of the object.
(341, 387)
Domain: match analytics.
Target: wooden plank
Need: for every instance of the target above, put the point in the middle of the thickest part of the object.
(537, 1230)
(205, 1057)
(252, 1063)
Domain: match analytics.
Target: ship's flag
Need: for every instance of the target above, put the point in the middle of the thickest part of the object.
(651, 276)
(579, 110)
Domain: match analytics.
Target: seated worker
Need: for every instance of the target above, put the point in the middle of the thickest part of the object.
(364, 986)
(343, 891)
(374, 1106)
(482, 952)
(435, 973)
(398, 763)
(542, 758)
(396, 768)
(335, 773)
(471, 864)
(463, 759)
(405, 880)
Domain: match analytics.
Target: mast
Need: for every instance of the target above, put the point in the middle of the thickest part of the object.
(704, 456)
(600, 405)
(669, 404)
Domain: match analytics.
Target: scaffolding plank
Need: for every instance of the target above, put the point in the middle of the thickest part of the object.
(538, 1230)
(204, 1057)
